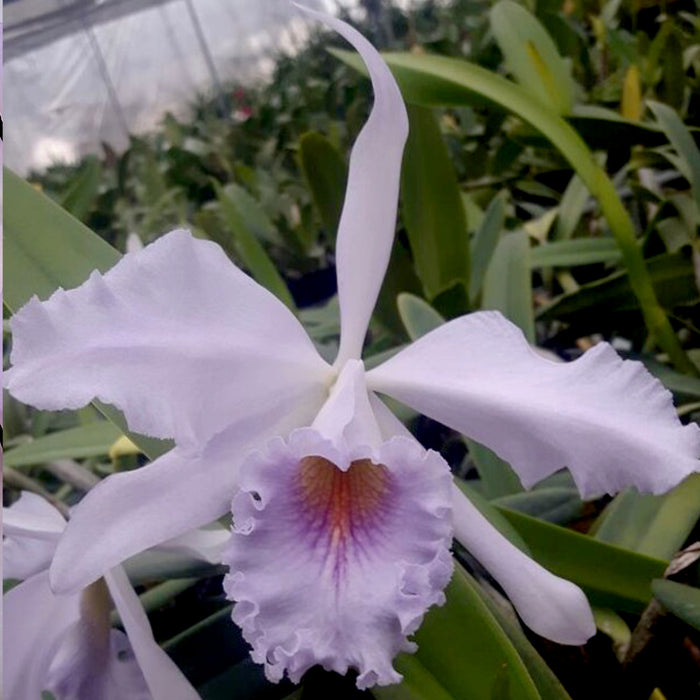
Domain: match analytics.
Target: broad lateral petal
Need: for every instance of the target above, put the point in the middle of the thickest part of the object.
(608, 420)
(132, 511)
(368, 219)
(336, 566)
(551, 606)
(174, 335)
(34, 621)
(163, 677)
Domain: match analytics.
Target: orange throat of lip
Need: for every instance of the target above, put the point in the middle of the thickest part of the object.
(343, 501)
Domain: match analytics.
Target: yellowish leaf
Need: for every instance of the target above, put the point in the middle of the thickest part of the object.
(631, 106)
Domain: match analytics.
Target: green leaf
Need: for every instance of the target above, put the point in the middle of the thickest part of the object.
(432, 207)
(611, 576)
(507, 285)
(82, 191)
(614, 626)
(44, 246)
(215, 658)
(154, 185)
(672, 87)
(484, 244)
(555, 504)
(631, 104)
(248, 246)
(400, 277)
(418, 683)
(603, 128)
(547, 683)
(162, 593)
(681, 139)
(325, 172)
(683, 601)
(680, 384)
(417, 315)
(474, 213)
(497, 476)
(76, 443)
(578, 251)
(463, 646)
(538, 227)
(571, 208)
(253, 215)
(653, 525)
(673, 278)
(532, 57)
(245, 676)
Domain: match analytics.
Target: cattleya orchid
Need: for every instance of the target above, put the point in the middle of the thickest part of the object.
(65, 644)
(342, 521)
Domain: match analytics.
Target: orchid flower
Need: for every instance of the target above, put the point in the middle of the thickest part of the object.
(65, 644)
(342, 521)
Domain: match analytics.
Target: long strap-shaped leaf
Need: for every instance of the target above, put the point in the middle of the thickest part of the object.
(439, 80)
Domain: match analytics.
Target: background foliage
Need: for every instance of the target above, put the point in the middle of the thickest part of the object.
(559, 183)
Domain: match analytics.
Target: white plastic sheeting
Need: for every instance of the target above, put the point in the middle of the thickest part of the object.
(109, 75)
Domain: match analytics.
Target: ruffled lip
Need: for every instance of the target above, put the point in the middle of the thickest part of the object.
(338, 568)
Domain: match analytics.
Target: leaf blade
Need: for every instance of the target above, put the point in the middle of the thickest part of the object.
(89, 440)
(432, 206)
(531, 56)
(325, 173)
(507, 284)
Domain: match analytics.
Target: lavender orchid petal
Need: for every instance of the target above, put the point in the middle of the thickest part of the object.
(65, 644)
(346, 418)
(368, 218)
(551, 606)
(342, 528)
(608, 420)
(178, 492)
(361, 529)
(34, 622)
(174, 335)
(163, 677)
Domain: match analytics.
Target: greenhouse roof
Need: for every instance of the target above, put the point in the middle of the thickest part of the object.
(82, 73)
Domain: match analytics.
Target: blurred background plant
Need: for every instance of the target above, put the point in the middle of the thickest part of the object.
(505, 204)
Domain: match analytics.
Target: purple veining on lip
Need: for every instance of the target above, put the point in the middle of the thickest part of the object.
(341, 513)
